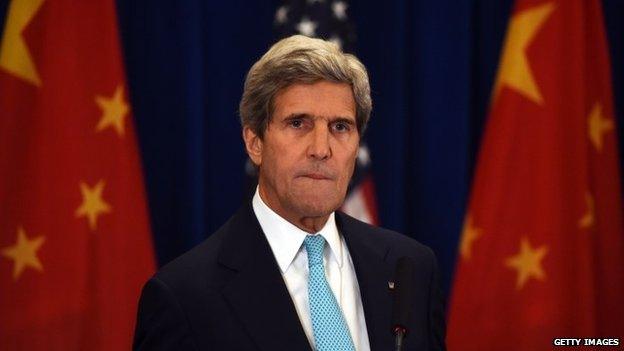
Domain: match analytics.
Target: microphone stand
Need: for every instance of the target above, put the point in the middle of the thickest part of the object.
(399, 334)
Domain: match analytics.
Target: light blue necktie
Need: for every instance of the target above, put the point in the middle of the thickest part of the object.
(328, 324)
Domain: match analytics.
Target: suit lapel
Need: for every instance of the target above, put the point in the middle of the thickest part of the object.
(257, 292)
(373, 273)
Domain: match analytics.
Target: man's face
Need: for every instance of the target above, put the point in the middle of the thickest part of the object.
(308, 152)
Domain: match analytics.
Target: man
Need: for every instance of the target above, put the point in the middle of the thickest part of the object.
(287, 271)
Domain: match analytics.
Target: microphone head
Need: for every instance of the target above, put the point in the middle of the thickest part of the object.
(403, 294)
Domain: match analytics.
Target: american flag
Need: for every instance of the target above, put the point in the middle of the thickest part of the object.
(324, 19)
(329, 20)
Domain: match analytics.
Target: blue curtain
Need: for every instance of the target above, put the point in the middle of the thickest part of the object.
(431, 63)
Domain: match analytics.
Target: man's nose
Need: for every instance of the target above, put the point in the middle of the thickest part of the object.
(319, 146)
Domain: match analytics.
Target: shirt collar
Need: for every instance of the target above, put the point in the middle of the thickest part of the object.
(286, 239)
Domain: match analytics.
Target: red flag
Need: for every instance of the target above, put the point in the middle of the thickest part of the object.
(75, 244)
(542, 252)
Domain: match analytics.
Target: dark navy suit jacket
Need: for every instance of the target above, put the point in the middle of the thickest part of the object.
(228, 293)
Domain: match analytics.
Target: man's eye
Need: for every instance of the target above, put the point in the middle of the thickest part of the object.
(342, 127)
(296, 123)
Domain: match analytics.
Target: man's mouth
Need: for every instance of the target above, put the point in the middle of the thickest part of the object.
(316, 176)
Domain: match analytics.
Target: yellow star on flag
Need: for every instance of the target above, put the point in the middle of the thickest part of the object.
(24, 253)
(597, 126)
(93, 204)
(469, 235)
(15, 57)
(527, 262)
(588, 218)
(514, 69)
(114, 111)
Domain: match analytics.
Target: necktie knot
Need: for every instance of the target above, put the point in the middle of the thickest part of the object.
(314, 245)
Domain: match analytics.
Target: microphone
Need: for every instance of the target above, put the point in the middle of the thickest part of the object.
(402, 299)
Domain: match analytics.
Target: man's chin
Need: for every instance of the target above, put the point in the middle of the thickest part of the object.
(317, 207)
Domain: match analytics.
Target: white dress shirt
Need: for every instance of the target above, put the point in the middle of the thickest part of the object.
(286, 241)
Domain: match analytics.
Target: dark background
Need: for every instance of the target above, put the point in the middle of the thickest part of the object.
(431, 64)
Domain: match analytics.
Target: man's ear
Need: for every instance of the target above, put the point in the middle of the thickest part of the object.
(253, 145)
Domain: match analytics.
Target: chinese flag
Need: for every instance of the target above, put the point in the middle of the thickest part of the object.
(542, 252)
(75, 244)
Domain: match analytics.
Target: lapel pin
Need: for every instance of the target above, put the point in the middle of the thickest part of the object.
(391, 285)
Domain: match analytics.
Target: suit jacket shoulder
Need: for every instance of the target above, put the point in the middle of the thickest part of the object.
(227, 293)
(375, 252)
(382, 237)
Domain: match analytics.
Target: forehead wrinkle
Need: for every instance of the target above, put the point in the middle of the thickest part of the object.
(316, 117)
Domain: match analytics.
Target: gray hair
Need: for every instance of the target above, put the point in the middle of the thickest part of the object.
(299, 59)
